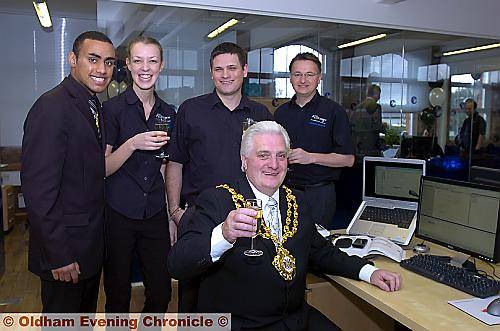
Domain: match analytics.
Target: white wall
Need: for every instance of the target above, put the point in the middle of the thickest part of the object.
(475, 18)
(33, 62)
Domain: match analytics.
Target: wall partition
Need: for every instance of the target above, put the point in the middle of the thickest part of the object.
(422, 85)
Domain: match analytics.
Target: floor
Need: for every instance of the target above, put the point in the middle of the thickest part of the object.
(20, 289)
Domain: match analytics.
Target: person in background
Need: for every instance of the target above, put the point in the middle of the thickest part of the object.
(262, 292)
(136, 218)
(473, 129)
(62, 175)
(320, 137)
(366, 124)
(206, 140)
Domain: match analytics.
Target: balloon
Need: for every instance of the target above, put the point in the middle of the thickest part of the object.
(113, 89)
(123, 87)
(436, 96)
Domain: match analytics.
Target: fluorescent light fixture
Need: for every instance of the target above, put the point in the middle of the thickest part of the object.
(43, 13)
(472, 49)
(222, 28)
(364, 40)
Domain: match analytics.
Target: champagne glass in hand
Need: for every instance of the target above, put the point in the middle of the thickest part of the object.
(248, 122)
(163, 124)
(255, 204)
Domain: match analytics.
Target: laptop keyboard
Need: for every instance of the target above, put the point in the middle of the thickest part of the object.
(397, 216)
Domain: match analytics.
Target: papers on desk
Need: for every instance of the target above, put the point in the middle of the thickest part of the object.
(322, 231)
(476, 307)
(376, 245)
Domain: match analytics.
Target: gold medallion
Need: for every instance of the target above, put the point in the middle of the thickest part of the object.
(284, 262)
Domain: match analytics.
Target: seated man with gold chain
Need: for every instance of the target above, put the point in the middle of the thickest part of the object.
(253, 263)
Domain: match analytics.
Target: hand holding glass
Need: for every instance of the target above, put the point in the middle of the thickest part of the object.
(255, 204)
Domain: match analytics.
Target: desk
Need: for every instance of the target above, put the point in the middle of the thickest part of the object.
(421, 304)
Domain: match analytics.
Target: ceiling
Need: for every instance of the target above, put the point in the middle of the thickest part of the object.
(184, 27)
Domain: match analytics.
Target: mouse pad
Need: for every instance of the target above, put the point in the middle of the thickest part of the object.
(476, 307)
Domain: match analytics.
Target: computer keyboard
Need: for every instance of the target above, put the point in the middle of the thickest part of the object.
(398, 216)
(438, 269)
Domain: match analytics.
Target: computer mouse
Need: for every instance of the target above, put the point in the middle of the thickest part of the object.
(494, 307)
(421, 248)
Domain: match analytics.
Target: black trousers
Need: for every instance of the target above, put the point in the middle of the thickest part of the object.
(150, 239)
(66, 297)
(322, 201)
(315, 321)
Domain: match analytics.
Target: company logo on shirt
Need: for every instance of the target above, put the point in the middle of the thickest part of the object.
(317, 121)
(163, 118)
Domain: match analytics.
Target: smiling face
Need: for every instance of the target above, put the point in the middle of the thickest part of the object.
(145, 65)
(266, 162)
(93, 67)
(228, 74)
(305, 78)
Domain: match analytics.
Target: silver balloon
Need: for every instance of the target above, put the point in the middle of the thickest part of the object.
(436, 96)
(113, 89)
(123, 87)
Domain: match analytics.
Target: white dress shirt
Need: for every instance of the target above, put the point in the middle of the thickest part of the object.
(219, 244)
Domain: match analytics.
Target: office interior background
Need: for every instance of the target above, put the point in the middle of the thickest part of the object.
(409, 63)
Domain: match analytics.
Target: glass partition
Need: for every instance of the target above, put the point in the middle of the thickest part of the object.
(420, 108)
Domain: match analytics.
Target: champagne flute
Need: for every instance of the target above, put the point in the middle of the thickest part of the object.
(163, 124)
(255, 204)
(248, 122)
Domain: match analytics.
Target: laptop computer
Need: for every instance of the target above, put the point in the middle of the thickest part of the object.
(390, 199)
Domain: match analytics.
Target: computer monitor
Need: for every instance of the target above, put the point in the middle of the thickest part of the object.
(461, 216)
(420, 147)
(483, 175)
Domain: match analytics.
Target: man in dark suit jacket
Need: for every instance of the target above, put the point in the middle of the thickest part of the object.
(264, 292)
(62, 176)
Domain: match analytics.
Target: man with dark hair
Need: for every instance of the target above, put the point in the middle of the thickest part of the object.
(229, 48)
(473, 128)
(320, 137)
(205, 143)
(366, 124)
(262, 292)
(90, 35)
(62, 175)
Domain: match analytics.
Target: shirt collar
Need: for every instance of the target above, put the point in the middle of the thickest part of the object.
(77, 89)
(263, 197)
(314, 100)
(214, 99)
(132, 98)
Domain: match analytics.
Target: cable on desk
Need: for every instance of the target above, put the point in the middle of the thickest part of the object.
(493, 267)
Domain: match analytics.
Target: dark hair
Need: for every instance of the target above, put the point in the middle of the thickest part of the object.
(229, 48)
(307, 57)
(472, 101)
(147, 41)
(373, 90)
(92, 35)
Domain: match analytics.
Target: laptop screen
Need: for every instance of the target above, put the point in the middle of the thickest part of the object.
(395, 179)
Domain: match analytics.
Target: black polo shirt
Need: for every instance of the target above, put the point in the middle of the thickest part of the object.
(321, 126)
(137, 189)
(206, 140)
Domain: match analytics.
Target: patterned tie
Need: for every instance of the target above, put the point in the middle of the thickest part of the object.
(272, 218)
(95, 105)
